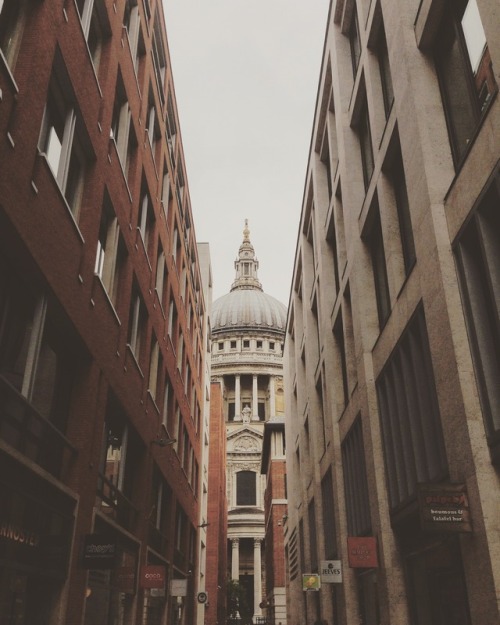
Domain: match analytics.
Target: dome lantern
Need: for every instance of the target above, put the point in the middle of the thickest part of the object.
(246, 265)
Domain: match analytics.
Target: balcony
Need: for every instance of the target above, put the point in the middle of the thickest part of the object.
(114, 504)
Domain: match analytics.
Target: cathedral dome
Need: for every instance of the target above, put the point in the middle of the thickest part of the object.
(247, 307)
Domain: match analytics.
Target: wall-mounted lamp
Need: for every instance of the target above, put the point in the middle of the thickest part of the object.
(163, 442)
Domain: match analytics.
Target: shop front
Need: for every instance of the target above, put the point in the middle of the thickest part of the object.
(111, 558)
(36, 526)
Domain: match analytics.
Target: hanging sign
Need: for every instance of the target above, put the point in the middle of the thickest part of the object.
(444, 508)
(99, 552)
(331, 571)
(362, 552)
(152, 576)
(178, 587)
(311, 581)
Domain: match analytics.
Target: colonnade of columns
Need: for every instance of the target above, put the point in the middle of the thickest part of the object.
(257, 568)
(255, 397)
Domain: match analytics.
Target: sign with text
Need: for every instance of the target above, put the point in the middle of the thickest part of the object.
(153, 576)
(362, 552)
(178, 587)
(331, 571)
(444, 508)
(99, 552)
(311, 581)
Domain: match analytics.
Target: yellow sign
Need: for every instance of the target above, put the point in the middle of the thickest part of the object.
(311, 581)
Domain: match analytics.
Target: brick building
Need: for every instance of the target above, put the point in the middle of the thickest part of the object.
(102, 320)
(392, 352)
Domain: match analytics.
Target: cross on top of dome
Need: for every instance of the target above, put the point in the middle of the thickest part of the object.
(246, 264)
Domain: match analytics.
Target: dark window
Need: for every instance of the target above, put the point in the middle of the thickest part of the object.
(313, 542)
(233, 344)
(398, 180)
(376, 244)
(230, 411)
(246, 344)
(355, 43)
(365, 144)
(12, 18)
(261, 407)
(246, 488)
(385, 73)
(329, 528)
(338, 334)
(411, 427)
(355, 483)
(465, 72)
(478, 257)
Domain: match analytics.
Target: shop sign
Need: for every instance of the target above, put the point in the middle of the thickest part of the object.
(178, 587)
(362, 552)
(125, 579)
(99, 552)
(444, 508)
(331, 571)
(153, 576)
(19, 534)
(311, 581)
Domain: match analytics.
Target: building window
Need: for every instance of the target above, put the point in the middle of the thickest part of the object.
(365, 144)
(34, 359)
(465, 72)
(385, 73)
(137, 324)
(259, 344)
(95, 26)
(329, 527)
(111, 251)
(231, 410)
(233, 344)
(261, 410)
(313, 542)
(131, 24)
(246, 344)
(146, 222)
(355, 43)
(375, 242)
(355, 482)
(155, 369)
(159, 58)
(220, 346)
(12, 19)
(171, 129)
(61, 140)
(120, 121)
(341, 369)
(246, 488)
(477, 252)
(409, 413)
(271, 346)
(153, 128)
(160, 275)
(398, 180)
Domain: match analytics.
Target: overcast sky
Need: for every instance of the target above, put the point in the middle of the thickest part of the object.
(246, 74)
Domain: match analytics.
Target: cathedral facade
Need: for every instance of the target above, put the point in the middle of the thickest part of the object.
(247, 337)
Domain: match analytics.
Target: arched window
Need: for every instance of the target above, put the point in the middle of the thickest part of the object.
(246, 488)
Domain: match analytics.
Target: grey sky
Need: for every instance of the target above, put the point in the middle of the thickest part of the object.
(246, 75)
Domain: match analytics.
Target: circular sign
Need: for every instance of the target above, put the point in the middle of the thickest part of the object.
(202, 597)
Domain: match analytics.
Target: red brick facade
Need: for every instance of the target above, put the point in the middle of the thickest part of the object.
(97, 251)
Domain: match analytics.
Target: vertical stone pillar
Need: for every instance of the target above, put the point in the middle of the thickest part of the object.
(257, 578)
(255, 398)
(235, 559)
(272, 397)
(237, 397)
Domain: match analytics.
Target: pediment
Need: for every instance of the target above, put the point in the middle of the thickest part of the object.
(245, 441)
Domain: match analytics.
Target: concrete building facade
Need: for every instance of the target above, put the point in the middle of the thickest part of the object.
(392, 352)
(247, 337)
(103, 329)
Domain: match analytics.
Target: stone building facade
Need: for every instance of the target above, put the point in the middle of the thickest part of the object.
(392, 354)
(247, 337)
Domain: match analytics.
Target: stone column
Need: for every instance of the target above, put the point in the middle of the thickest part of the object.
(255, 398)
(235, 559)
(257, 577)
(272, 396)
(237, 398)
